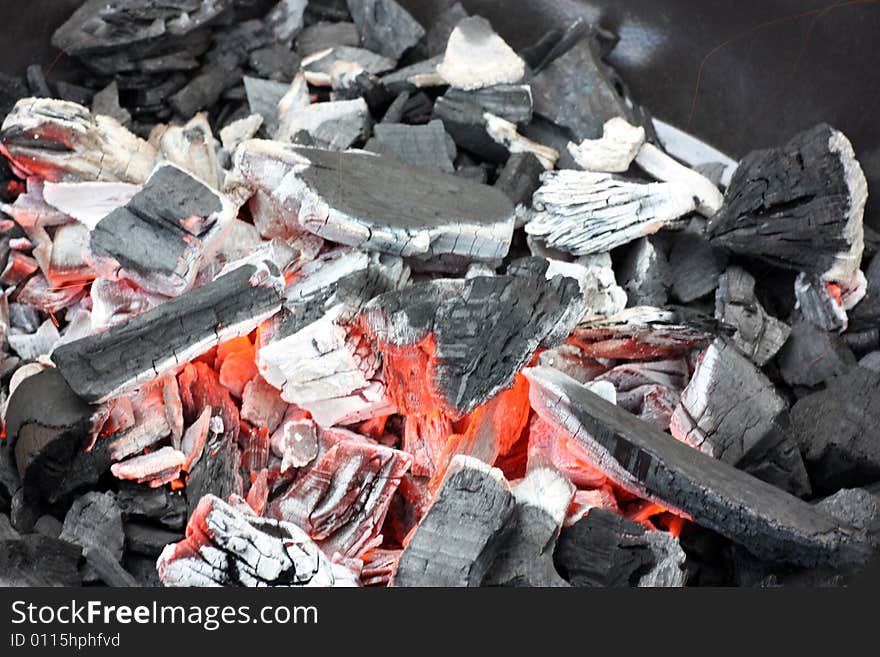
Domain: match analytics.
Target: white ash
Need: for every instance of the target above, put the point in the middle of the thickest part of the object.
(663, 167)
(477, 57)
(614, 152)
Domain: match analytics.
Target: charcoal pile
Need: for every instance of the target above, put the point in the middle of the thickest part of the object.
(306, 293)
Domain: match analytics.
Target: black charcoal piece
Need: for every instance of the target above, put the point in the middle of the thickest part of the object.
(48, 526)
(866, 314)
(422, 146)
(321, 36)
(575, 92)
(335, 125)
(156, 239)
(558, 41)
(512, 102)
(394, 113)
(818, 305)
(458, 539)
(859, 507)
(36, 80)
(107, 568)
(119, 359)
(695, 266)
(94, 519)
(467, 125)
(162, 505)
(520, 178)
(286, 20)
(204, 90)
(441, 28)
(385, 27)
(228, 545)
(413, 77)
(10, 481)
(218, 472)
(838, 429)
(758, 334)
(769, 522)
(644, 273)
(35, 560)
(484, 329)
(275, 63)
(106, 102)
(47, 430)
(7, 531)
(798, 207)
(377, 203)
(319, 66)
(263, 97)
(812, 356)
(729, 411)
(149, 540)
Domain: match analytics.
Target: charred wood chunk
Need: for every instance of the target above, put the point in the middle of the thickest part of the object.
(95, 519)
(148, 540)
(520, 178)
(467, 125)
(859, 507)
(463, 531)
(798, 207)
(759, 335)
(263, 97)
(121, 358)
(340, 197)
(441, 29)
(645, 274)
(769, 522)
(837, 429)
(286, 20)
(866, 314)
(812, 356)
(476, 57)
(385, 26)
(427, 146)
(157, 238)
(645, 332)
(526, 557)
(35, 560)
(229, 545)
(614, 152)
(576, 92)
(335, 125)
(475, 334)
(61, 141)
(323, 35)
(818, 304)
(582, 212)
(695, 266)
(511, 102)
(729, 412)
(341, 502)
(204, 90)
(10, 481)
(106, 102)
(218, 472)
(107, 568)
(161, 505)
(604, 549)
(413, 77)
(47, 430)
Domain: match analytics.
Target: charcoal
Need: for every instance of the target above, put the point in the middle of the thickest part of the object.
(507, 135)
(798, 207)
(769, 522)
(349, 82)
(728, 411)
(170, 63)
(321, 36)
(472, 335)
(46, 426)
(871, 361)
(582, 212)
(556, 42)
(575, 92)
(286, 20)
(759, 335)
(857, 507)
(385, 26)
(49, 526)
(395, 111)
(604, 549)
(423, 216)
(695, 266)
(263, 97)
(415, 76)
(12, 89)
(476, 57)
(614, 152)
(645, 332)
(645, 273)
(216, 474)
(319, 67)
(95, 520)
(275, 63)
(24, 512)
(37, 84)
(148, 540)
(229, 545)
(7, 531)
(520, 178)
(466, 123)
(36, 560)
(426, 146)
(191, 147)
(63, 141)
(837, 431)
(204, 90)
(863, 342)
(10, 481)
(667, 169)
(335, 125)
(441, 29)
(168, 335)
(143, 569)
(107, 568)
(463, 531)
(156, 239)
(342, 500)
(867, 313)
(818, 305)
(812, 356)
(232, 45)
(508, 101)
(526, 558)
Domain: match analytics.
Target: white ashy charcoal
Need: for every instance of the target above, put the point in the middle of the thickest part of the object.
(505, 133)
(663, 167)
(614, 152)
(477, 57)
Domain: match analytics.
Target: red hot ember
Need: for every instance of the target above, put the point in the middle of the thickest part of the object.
(320, 349)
